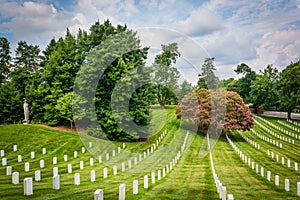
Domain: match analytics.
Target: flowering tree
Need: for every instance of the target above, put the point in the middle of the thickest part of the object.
(220, 109)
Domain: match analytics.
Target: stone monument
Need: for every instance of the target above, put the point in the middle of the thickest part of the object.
(26, 112)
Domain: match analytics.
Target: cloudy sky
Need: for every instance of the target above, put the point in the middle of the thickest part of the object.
(255, 32)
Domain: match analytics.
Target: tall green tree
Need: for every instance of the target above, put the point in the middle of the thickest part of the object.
(166, 76)
(289, 88)
(244, 83)
(5, 59)
(185, 88)
(208, 78)
(264, 92)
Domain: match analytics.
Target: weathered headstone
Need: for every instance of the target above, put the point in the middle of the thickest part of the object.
(15, 148)
(93, 176)
(75, 154)
(2, 153)
(135, 187)
(82, 149)
(122, 191)
(100, 159)
(37, 175)
(269, 175)
(28, 188)
(159, 175)
(90, 144)
(15, 178)
(91, 162)
(76, 179)
(56, 182)
(146, 182)
(98, 195)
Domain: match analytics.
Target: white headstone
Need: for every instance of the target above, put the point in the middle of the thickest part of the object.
(256, 168)
(43, 151)
(119, 149)
(159, 175)
(135, 160)
(90, 144)
(15, 148)
(230, 197)
(82, 150)
(224, 194)
(70, 168)
(76, 179)
(146, 182)
(114, 153)
(269, 175)
(282, 160)
(93, 176)
(298, 188)
(122, 191)
(100, 159)
(20, 158)
(91, 162)
(32, 155)
(37, 175)
(55, 171)
(8, 170)
(2, 153)
(129, 164)
(123, 167)
(135, 187)
(28, 189)
(124, 145)
(66, 158)
(107, 156)
(164, 172)
(42, 164)
(276, 180)
(289, 163)
(4, 161)
(296, 166)
(15, 178)
(75, 154)
(140, 157)
(115, 169)
(287, 185)
(262, 171)
(98, 195)
(105, 173)
(56, 182)
(54, 160)
(153, 177)
(27, 167)
(81, 165)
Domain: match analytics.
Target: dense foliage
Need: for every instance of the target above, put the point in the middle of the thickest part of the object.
(224, 110)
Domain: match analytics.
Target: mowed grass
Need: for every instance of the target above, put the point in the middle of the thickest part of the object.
(190, 178)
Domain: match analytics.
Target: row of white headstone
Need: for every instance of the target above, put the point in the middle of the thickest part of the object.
(294, 122)
(255, 167)
(285, 139)
(98, 194)
(271, 153)
(280, 129)
(253, 143)
(289, 126)
(221, 189)
(267, 139)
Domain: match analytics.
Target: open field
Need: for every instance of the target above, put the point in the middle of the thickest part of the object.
(190, 178)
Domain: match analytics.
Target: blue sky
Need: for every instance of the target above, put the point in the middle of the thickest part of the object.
(255, 32)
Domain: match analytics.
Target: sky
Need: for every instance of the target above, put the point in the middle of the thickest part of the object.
(254, 32)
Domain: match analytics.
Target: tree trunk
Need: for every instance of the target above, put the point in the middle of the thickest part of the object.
(71, 124)
(289, 114)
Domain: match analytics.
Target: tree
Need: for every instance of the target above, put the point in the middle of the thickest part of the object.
(207, 78)
(244, 83)
(116, 70)
(289, 88)
(264, 92)
(166, 76)
(64, 107)
(210, 107)
(231, 84)
(185, 88)
(4, 59)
